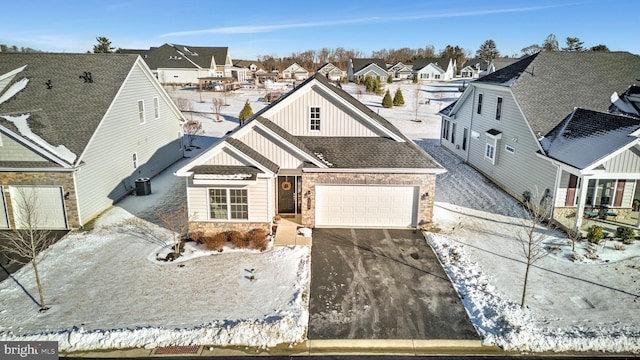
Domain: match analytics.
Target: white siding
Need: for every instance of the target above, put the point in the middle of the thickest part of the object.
(627, 196)
(561, 194)
(257, 194)
(336, 119)
(108, 173)
(267, 147)
(11, 150)
(4, 221)
(626, 162)
(462, 121)
(512, 171)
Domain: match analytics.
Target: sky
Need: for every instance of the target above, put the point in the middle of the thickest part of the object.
(256, 28)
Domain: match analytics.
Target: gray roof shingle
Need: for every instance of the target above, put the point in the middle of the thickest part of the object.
(359, 64)
(273, 167)
(549, 84)
(226, 170)
(178, 56)
(69, 113)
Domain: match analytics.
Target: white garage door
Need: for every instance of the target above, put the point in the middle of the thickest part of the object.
(366, 205)
(49, 206)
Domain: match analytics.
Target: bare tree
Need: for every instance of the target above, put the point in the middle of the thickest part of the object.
(177, 222)
(184, 105)
(30, 238)
(192, 128)
(534, 235)
(216, 106)
(417, 101)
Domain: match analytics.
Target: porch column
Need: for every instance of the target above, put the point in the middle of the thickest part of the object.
(584, 186)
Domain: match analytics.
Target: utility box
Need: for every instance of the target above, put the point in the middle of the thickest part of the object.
(143, 186)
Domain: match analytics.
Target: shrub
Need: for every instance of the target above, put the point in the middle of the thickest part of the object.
(415, 78)
(398, 99)
(215, 242)
(626, 234)
(595, 234)
(386, 101)
(196, 236)
(238, 239)
(389, 80)
(246, 113)
(257, 239)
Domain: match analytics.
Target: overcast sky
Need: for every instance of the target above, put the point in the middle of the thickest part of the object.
(252, 28)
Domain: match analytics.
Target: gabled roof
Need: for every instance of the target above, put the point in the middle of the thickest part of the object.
(270, 165)
(328, 67)
(359, 64)
(549, 84)
(477, 64)
(442, 63)
(181, 56)
(500, 63)
(586, 136)
(61, 119)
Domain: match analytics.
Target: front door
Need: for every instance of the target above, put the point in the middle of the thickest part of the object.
(288, 190)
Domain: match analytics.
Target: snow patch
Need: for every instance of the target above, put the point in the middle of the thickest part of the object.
(14, 89)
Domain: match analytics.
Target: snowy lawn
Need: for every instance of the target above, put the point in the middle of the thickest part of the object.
(106, 290)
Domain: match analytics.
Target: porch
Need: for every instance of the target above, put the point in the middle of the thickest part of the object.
(609, 224)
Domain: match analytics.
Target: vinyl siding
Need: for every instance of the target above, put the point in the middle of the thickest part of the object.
(257, 194)
(462, 120)
(267, 147)
(108, 173)
(627, 196)
(4, 221)
(11, 150)
(627, 162)
(514, 171)
(227, 158)
(336, 119)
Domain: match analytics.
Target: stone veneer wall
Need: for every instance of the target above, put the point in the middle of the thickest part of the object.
(209, 227)
(570, 213)
(425, 182)
(64, 179)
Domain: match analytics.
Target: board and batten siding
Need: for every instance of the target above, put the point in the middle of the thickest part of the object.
(269, 148)
(516, 172)
(257, 196)
(11, 150)
(335, 119)
(626, 162)
(226, 158)
(108, 173)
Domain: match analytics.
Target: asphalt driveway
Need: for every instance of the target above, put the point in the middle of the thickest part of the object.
(381, 284)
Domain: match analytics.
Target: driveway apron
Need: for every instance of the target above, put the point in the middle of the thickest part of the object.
(381, 284)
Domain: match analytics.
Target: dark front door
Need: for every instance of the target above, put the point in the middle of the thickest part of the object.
(287, 194)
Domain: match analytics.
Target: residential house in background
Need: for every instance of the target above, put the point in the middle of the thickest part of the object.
(182, 64)
(78, 130)
(440, 69)
(564, 125)
(296, 72)
(474, 68)
(251, 67)
(357, 69)
(331, 72)
(317, 155)
(401, 71)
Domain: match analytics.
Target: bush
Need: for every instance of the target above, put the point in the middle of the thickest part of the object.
(626, 234)
(595, 234)
(196, 236)
(215, 242)
(257, 239)
(389, 80)
(386, 101)
(415, 78)
(238, 239)
(398, 99)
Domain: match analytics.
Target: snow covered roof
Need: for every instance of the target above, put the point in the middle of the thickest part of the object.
(549, 84)
(586, 136)
(51, 105)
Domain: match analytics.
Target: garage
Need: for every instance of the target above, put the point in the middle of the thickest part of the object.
(366, 205)
(48, 203)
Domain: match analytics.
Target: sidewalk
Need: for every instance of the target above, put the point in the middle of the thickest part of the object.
(287, 234)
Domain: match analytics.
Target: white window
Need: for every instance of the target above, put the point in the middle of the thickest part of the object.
(135, 160)
(499, 109)
(490, 151)
(314, 119)
(509, 148)
(493, 137)
(156, 108)
(445, 128)
(228, 204)
(141, 111)
(436, 76)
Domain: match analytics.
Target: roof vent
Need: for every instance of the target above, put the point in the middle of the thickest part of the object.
(87, 77)
(48, 83)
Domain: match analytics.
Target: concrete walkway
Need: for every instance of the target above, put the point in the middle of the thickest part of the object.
(287, 234)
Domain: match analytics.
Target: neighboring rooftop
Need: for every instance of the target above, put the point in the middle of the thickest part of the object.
(361, 63)
(181, 56)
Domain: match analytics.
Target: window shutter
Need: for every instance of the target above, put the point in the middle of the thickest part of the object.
(571, 191)
(617, 201)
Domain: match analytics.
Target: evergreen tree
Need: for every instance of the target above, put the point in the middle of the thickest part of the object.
(415, 78)
(386, 101)
(398, 99)
(246, 113)
(389, 79)
(573, 44)
(488, 51)
(599, 48)
(103, 46)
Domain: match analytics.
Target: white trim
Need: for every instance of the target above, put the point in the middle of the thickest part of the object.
(156, 108)
(142, 114)
(32, 146)
(3, 202)
(612, 155)
(297, 150)
(228, 200)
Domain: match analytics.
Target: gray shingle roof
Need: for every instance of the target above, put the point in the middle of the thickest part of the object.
(586, 136)
(68, 113)
(273, 167)
(549, 84)
(226, 170)
(442, 63)
(284, 134)
(368, 152)
(165, 56)
(359, 64)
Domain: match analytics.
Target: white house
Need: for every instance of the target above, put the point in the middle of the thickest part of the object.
(440, 69)
(296, 72)
(358, 69)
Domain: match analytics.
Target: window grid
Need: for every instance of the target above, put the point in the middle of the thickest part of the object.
(218, 203)
(479, 104)
(314, 119)
(156, 108)
(238, 204)
(499, 109)
(141, 111)
(228, 204)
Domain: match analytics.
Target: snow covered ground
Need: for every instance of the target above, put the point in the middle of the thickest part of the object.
(105, 290)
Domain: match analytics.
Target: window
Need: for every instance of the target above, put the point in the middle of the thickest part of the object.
(156, 108)
(499, 109)
(492, 145)
(479, 103)
(141, 111)
(445, 128)
(510, 149)
(135, 160)
(490, 151)
(436, 76)
(228, 204)
(453, 133)
(314, 119)
(465, 136)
